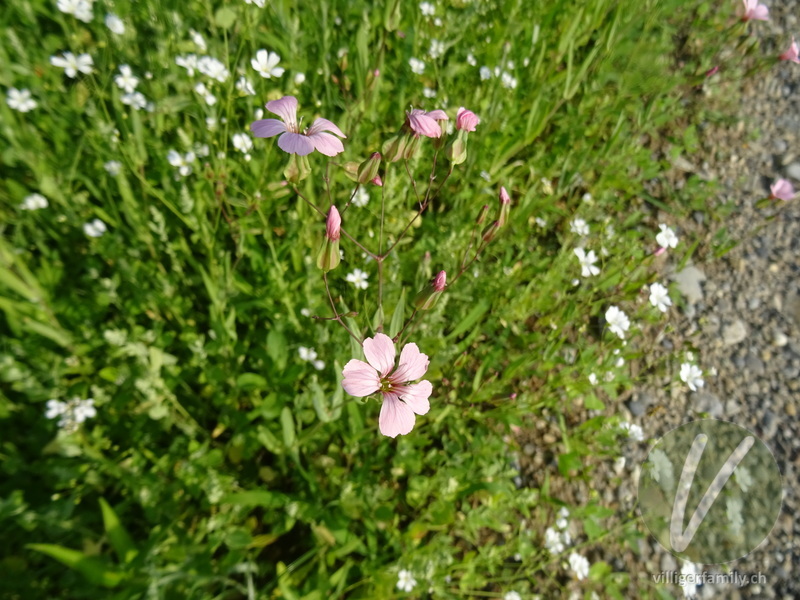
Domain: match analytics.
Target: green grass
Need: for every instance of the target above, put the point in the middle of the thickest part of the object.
(220, 464)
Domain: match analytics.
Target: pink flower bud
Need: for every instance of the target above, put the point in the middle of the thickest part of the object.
(504, 197)
(482, 215)
(505, 207)
(712, 71)
(333, 225)
(659, 251)
(791, 53)
(377, 181)
(368, 169)
(440, 281)
(428, 296)
(466, 120)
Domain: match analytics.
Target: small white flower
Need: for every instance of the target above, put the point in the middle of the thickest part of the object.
(266, 64)
(182, 162)
(417, 66)
(405, 581)
(659, 297)
(113, 167)
(437, 49)
(34, 202)
(508, 81)
(307, 354)
(55, 408)
(427, 9)
(666, 238)
(587, 261)
(70, 414)
(80, 9)
(188, 62)
(126, 80)
(692, 376)
(556, 541)
(361, 197)
(485, 73)
(429, 93)
(661, 469)
(512, 596)
(94, 228)
(211, 67)
(540, 222)
(579, 227)
(258, 3)
(245, 86)
(202, 150)
(115, 24)
(72, 64)
(211, 123)
(437, 21)
(563, 518)
(358, 278)
(471, 60)
(633, 430)
(208, 97)
(136, 100)
(20, 100)
(579, 565)
(299, 78)
(318, 364)
(617, 321)
(198, 40)
(242, 142)
(593, 378)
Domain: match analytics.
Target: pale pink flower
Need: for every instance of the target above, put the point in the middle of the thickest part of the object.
(426, 123)
(292, 140)
(333, 225)
(753, 11)
(401, 399)
(466, 120)
(781, 190)
(791, 53)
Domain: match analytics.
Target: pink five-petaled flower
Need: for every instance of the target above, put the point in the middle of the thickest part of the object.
(426, 123)
(753, 11)
(781, 190)
(292, 140)
(401, 399)
(466, 120)
(791, 53)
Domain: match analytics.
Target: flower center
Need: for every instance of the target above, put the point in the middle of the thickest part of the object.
(386, 385)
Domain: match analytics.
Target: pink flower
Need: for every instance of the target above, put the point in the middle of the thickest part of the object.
(292, 140)
(466, 120)
(426, 123)
(753, 11)
(333, 225)
(712, 71)
(401, 399)
(791, 53)
(781, 190)
(440, 281)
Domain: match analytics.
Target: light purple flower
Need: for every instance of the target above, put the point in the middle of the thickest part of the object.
(291, 139)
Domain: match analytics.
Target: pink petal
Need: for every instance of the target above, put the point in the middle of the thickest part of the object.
(360, 379)
(324, 125)
(424, 125)
(380, 353)
(295, 143)
(267, 128)
(327, 144)
(761, 13)
(416, 396)
(396, 417)
(413, 365)
(285, 108)
(438, 115)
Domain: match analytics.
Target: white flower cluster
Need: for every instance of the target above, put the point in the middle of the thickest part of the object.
(70, 414)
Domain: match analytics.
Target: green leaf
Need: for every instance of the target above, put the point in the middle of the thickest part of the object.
(263, 498)
(117, 535)
(593, 403)
(277, 349)
(287, 424)
(470, 320)
(94, 569)
(225, 17)
(398, 314)
(251, 381)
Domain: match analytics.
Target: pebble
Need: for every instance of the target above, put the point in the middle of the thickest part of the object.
(734, 333)
(706, 402)
(793, 170)
(689, 280)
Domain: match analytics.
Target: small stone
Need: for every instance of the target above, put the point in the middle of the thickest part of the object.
(793, 170)
(754, 365)
(791, 409)
(689, 280)
(734, 333)
(780, 339)
(706, 402)
(769, 424)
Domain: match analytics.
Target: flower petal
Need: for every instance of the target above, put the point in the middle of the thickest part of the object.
(285, 108)
(423, 125)
(324, 125)
(295, 143)
(396, 417)
(413, 365)
(267, 128)
(438, 115)
(416, 396)
(327, 144)
(380, 353)
(360, 379)
(761, 13)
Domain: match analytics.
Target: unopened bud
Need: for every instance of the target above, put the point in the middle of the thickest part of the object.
(457, 149)
(505, 207)
(490, 231)
(297, 169)
(394, 148)
(368, 170)
(482, 215)
(351, 169)
(377, 181)
(466, 120)
(412, 146)
(329, 257)
(428, 296)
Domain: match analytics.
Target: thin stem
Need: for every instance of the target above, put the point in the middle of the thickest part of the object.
(380, 292)
(336, 314)
(413, 181)
(480, 249)
(399, 333)
(350, 201)
(433, 175)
